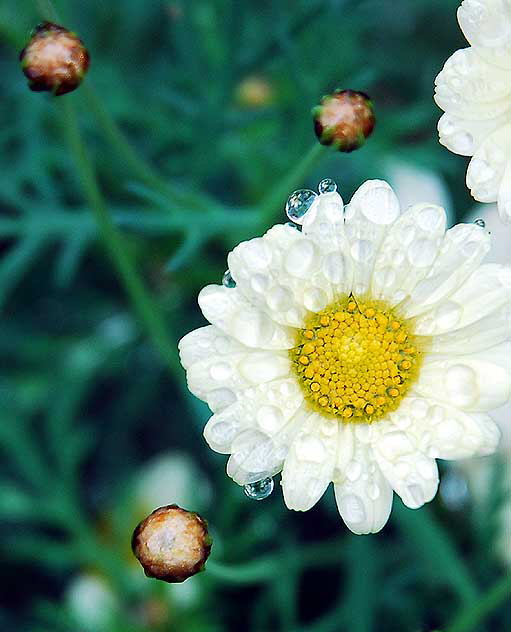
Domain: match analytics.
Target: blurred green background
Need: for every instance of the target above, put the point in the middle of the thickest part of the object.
(196, 118)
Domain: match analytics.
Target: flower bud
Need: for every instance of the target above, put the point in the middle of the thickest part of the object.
(172, 544)
(254, 92)
(55, 60)
(344, 119)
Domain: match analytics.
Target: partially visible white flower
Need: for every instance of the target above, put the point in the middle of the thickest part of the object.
(356, 351)
(412, 183)
(91, 602)
(170, 478)
(479, 472)
(474, 90)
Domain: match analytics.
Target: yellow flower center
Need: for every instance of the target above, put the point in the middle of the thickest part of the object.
(355, 360)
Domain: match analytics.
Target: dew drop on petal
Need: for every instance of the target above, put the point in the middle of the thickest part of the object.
(480, 222)
(327, 186)
(227, 280)
(260, 489)
(299, 203)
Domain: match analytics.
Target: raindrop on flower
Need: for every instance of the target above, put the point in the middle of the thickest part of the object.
(227, 280)
(293, 225)
(299, 203)
(259, 490)
(480, 222)
(327, 186)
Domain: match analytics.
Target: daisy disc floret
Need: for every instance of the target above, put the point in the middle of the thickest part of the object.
(474, 90)
(354, 351)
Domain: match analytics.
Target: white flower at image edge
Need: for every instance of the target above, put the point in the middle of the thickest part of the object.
(357, 352)
(474, 90)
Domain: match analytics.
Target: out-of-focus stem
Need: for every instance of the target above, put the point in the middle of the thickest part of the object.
(137, 165)
(472, 616)
(276, 199)
(146, 308)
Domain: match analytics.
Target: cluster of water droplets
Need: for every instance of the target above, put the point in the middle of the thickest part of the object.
(299, 202)
(260, 489)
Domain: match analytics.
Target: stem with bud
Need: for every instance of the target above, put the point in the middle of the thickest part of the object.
(148, 310)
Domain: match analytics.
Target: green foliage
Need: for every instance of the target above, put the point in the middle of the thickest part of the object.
(90, 390)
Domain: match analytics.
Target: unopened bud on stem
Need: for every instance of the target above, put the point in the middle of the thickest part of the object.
(54, 60)
(344, 119)
(172, 544)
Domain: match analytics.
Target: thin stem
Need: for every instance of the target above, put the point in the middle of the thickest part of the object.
(277, 198)
(472, 616)
(439, 553)
(147, 309)
(137, 165)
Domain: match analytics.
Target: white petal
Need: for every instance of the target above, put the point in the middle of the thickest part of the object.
(254, 456)
(487, 26)
(504, 199)
(442, 431)
(236, 372)
(373, 208)
(364, 498)
(324, 224)
(267, 407)
(258, 267)
(470, 88)
(486, 170)
(487, 332)
(486, 291)
(463, 248)
(463, 136)
(205, 342)
(408, 251)
(309, 466)
(474, 382)
(230, 311)
(413, 476)
(257, 454)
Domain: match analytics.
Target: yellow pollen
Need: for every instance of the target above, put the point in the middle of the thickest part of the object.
(356, 359)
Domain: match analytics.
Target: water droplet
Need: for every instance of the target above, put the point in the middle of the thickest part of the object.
(259, 490)
(327, 186)
(480, 222)
(293, 225)
(227, 280)
(299, 203)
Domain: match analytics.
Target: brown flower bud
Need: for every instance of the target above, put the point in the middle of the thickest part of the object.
(344, 119)
(55, 60)
(172, 544)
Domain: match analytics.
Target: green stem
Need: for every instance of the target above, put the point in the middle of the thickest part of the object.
(137, 165)
(472, 616)
(146, 308)
(440, 557)
(276, 199)
(265, 568)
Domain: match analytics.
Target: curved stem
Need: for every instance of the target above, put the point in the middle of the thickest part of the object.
(277, 198)
(137, 165)
(147, 309)
(472, 616)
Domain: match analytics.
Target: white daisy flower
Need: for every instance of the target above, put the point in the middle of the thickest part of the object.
(355, 351)
(474, 90)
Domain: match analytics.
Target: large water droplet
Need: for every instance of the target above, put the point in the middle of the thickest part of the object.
(327, 186)
(259, 490)
(299, 203)
(480, 222)
(227, 280)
